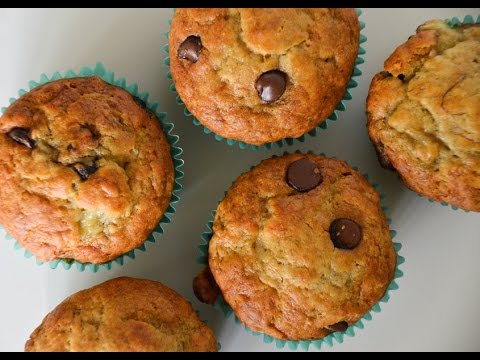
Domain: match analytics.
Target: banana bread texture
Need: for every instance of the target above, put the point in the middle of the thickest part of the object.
(86, 171)
(261, 75)
(123, 314)
(424, 113)
(301, 247)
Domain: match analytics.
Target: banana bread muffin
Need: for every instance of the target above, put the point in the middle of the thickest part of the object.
(301, 247)
(261, 75)
(86, 171)
(123, 314)
(424, 113)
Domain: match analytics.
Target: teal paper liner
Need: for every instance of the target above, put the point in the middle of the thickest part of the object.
(287, 141)
(334, 337)
(468, 19)
(175, 151)
(443, 203)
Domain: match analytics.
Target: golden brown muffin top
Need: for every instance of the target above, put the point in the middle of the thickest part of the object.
(123, 314)
(424, 113)
(218, 59)
(86, 171)
(301, 247)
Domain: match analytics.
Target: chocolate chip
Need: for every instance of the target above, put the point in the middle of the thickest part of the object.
(345, 234)
(84, 170)
(22, 136)
(401, 77)
(303, 175)
(383, 157)
(271, 85)
(70, 148)
(190, 49)
(205, 287)
(341, 326)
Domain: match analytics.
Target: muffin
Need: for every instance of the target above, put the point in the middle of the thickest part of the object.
(86, 171)
(261, 75)
(123, 314)
(300, 248)
(424, 113)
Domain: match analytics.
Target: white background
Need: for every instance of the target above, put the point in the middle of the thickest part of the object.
(438, 304)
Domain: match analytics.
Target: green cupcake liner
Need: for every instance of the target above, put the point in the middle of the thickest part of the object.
(468, 19)
(287, 141)
(329, 340)
(175, 151)
(443, 203)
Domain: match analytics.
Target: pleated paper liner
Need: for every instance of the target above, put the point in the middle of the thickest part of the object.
(287, 141)
(331, 339)
(175, 151)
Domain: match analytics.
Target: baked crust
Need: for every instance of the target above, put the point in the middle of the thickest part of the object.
(47, 206)
(424, 113)
(123, 314)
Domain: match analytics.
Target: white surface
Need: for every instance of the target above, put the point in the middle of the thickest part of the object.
(437, 306)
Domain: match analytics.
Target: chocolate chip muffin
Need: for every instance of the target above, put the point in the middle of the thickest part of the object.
(424, 113)
(123, 314)
(300, 247)
(261, 75)
(86, 171)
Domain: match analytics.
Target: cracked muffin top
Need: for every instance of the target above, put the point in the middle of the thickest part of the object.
(86, 171)
(261, 75)
(424, 113)
(123, 314)
(301, 247)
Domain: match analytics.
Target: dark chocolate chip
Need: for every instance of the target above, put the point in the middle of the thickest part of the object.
(205, 287)
(341, 326)
(303, 175)
(345, 233)
(190, 49)
(84, 170)
(401, 77)
(22, 136)
(70, 148)
(383, 157)
(271, 85)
